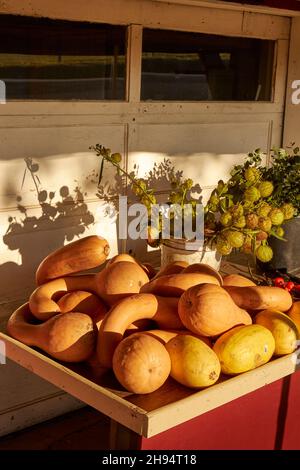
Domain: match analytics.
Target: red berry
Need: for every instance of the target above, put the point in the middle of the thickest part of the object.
(279, 282)
(289, 286)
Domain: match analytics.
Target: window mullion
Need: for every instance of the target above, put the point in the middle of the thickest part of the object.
(134, 63)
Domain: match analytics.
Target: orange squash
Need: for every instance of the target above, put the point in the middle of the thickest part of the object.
(139, 326)
(141, 363)
(41, 301)
(203, 268)
(174, 285)
(173, 268)
(164, 336)
(237, 280)
(119, 280)
(70, 337)
(92, 305)
(113, 283)
(80, 255)
(260, 297)
(208, 310)
(123, 314)
(121, 257)
(84, 302)
(167, 316)
(149, 270)
(294, 314)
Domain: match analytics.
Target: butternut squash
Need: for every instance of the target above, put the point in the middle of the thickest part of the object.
(123, 314)
(84, 302)
(80, 255)
(167, 314)
(70, 337)
(174, 285)
(141, 363)
(120, 280)
(121, 257)
(193, 363)
(92, 305)
(113, 283)
(149, 270)
(41, 301)
(139, 326)
(260, 297)
(282, 328)
(294, 314)
(244, 348)
(203, 268)
(237, 280)
(208, 310)
(164, 336)
(173, 268)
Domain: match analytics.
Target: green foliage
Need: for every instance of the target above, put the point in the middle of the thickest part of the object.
(241, 213)
(253, 204)
(283, 173)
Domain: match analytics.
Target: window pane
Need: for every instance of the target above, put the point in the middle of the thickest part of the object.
(201, 67)
(60, 60)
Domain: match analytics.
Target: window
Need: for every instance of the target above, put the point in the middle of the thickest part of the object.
(201, 67)
(60, 60)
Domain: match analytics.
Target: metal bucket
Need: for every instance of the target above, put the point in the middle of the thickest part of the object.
(180, 250)
(287, 254)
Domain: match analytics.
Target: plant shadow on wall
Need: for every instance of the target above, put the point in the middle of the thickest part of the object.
(59, 217)
(163, 179)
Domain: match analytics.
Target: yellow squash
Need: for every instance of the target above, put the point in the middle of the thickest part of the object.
(193, 363)
(282, 328)
(244, 348)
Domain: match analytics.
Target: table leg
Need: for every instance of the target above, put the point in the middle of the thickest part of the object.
(122, 438)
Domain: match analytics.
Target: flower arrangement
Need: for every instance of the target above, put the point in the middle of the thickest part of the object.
(241, 213)
(180, 194)
(246, 211)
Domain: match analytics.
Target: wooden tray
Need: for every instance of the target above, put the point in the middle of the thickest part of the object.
(146, 415)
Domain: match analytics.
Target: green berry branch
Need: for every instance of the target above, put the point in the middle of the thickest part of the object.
(180, 192)
(138, 185)
(242, 213)
(247, 210)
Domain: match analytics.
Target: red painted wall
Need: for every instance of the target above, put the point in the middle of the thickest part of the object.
(266, 419)
(291, 432)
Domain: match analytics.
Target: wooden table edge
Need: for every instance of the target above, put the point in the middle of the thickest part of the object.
(133, 417)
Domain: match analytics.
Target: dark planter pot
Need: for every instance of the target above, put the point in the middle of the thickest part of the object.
(287, 254)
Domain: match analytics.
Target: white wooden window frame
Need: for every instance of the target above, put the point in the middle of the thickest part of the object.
(179, 16)
(139, 14)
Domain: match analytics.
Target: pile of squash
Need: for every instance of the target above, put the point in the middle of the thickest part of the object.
(186, 321)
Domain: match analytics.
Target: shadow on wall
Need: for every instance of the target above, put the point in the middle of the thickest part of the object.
(58, 218)
(62, 215)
